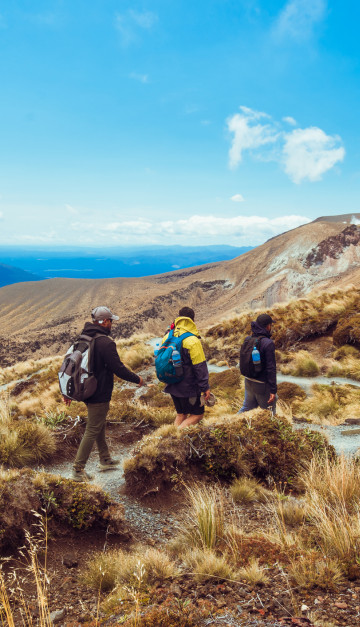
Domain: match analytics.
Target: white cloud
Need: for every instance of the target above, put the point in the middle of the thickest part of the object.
(142, 78)
(251, 230)
(309, 153)
(237, 198)
(248, 135)
(71, 210)
(303, 153)
(290, 120)
(130, 23)
(298, 18)
(144, 19)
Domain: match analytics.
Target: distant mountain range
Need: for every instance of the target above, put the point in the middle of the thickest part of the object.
(109, 263)
(10, 275)
(41, 318)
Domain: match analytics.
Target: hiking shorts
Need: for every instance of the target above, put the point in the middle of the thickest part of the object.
(188, 405)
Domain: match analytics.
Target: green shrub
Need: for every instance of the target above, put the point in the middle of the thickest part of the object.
(258, 445)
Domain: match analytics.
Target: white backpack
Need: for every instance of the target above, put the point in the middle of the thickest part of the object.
(76, 379)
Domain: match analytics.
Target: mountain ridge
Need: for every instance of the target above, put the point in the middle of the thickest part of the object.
(42, 318)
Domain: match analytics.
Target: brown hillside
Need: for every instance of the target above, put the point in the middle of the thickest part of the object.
(41, 318)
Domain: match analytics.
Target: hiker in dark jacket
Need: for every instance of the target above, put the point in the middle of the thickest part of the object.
(261, 391)
(106, 364)
(186, 394)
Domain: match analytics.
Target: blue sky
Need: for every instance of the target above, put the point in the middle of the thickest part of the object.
(162, 121)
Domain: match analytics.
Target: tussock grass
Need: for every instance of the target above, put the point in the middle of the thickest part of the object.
(106, 571)
(328, 403)
(29, 367)
(137, 355)
(205, 565)
(332, 499)
(337, 532)
(204, 523)
(348, 366)
(22, 443)
(291, 511)
(336, 482)
(253, 573)
(247, 490)
(296, 320)
(312, 569)
(302, 365)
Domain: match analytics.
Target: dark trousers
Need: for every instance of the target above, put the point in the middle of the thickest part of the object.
(256, 395)
(94, 432)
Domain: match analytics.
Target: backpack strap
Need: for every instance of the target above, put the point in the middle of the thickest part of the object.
(177, 339)
(257, 343)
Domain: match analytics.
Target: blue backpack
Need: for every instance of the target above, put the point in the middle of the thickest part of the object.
(169, 368)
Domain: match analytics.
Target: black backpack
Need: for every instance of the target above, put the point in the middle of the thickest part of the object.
(247, 367)
(76, 379)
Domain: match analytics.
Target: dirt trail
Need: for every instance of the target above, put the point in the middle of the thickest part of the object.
(148, 522)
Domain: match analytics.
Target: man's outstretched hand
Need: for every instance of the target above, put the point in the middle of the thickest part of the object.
(66, 400)
(207, 395)
(141, 382)
(271, 399)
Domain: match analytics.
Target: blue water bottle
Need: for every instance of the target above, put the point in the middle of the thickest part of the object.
(176, 360)
(256, 359)
(156, 349)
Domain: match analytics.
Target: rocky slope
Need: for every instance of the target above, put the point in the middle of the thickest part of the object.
(41, 318)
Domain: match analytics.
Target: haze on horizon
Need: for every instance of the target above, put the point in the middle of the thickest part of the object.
(164, 123)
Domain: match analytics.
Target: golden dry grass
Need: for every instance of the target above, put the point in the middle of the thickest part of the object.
(302, 365)
(248, 490)
(204, 520)
(328, 404)
(315, 570)
(25, 442)
(113, 568)
(204, 564)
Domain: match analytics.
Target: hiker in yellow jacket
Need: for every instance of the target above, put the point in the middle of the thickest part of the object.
(186, 394)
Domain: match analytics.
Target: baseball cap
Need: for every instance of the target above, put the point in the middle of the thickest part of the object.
(264, 319)
(99, 314)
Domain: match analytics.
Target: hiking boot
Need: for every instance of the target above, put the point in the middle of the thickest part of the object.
(80, 475)
(109, 464)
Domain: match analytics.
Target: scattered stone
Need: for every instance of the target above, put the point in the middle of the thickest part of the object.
(350, 432)
(352, 421)
(57, 615)
(70, 560)
(341, 605)
(304, 608)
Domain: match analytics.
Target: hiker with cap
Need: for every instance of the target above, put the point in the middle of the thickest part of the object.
(191, 393)
(258, 365)
(106, 364)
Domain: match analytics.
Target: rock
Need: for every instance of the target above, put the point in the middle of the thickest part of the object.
(351, 432)
(304, 608)
(242, 592)
(352, 421)
(57, 615)
(70, 560)
(341, 605)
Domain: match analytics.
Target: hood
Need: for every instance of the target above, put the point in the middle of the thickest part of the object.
(258, 330)
(184, 325)
(91, 329)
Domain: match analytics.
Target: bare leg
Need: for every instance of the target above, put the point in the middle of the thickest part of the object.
(190, 420)
(179, 419)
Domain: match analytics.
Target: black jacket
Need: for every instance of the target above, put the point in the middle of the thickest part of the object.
(267, 355)
(106, 363)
